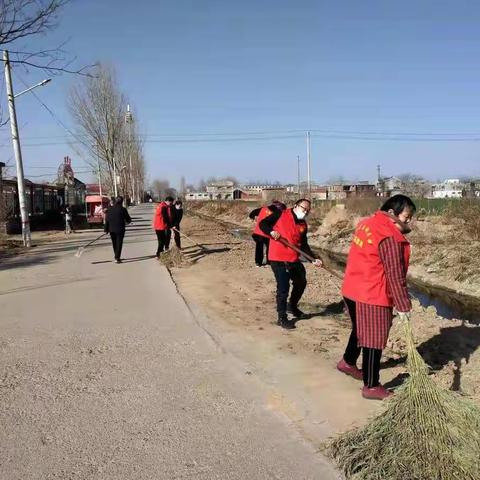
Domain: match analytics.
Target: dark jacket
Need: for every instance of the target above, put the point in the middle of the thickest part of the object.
(177, 217)
(116, 219)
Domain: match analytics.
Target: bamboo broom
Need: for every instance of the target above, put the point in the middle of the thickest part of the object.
(425, 433)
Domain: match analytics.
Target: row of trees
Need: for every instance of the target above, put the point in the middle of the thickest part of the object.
(108, 134)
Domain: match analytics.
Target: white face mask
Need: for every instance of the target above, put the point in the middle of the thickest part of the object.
(299, 213)
(178, 207)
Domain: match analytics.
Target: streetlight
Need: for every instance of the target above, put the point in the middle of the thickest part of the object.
(22, 200)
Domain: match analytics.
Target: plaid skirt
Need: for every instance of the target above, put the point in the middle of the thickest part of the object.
(373, 325)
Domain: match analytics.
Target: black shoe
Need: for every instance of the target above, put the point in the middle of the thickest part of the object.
(285, 323)
(296, 312)
(118, 260)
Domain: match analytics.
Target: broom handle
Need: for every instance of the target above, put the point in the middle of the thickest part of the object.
(307, 256)
(187, 237)
(94, 240)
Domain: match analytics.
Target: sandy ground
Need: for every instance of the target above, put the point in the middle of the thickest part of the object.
(228, 286)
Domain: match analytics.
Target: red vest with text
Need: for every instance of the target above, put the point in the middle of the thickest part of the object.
(365, 279)
(158, 221)
(290, 231)
(264, 212)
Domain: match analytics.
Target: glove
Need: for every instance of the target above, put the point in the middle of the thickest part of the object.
(404, 316)
(275, 235)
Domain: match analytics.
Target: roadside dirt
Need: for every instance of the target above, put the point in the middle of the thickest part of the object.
(445, 248)
(226, 284)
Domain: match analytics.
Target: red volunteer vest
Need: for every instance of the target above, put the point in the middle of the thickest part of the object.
(364, 279)
(158, 222)
(290, 231)
(264, 212)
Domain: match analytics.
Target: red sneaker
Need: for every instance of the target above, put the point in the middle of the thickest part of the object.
(376, 393)
(351, 370)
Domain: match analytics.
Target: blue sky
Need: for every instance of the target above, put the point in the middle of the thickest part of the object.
(203, 73)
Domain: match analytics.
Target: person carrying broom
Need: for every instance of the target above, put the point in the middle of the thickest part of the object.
(375, 281)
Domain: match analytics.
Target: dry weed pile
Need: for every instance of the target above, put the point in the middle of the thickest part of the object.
(174, 258)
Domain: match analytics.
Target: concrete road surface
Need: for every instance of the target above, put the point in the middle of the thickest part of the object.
(106, 374)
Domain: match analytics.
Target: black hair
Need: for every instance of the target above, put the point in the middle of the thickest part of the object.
(119, 200)
(179, 202)
(169, 199)
(298, 202)
(398, 203)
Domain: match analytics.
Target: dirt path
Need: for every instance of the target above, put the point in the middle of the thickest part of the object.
(240, 297)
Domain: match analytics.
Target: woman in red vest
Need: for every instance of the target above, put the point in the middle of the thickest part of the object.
(262, 240)
(162, 223)
(285, 262)
(376, 281)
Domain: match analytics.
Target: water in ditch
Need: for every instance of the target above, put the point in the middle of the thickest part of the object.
(448, 303)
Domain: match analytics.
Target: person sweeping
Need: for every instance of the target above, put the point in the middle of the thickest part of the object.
(162, 223)
(375, 281)
(289, 225)
(261, 239)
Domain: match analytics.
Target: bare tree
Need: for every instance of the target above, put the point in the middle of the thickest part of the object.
(415, 185)
(162, 189)
(98, 110)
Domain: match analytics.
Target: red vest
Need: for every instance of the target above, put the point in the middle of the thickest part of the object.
(364, 279)
(264, 212)
(158, 221)
(291, 231)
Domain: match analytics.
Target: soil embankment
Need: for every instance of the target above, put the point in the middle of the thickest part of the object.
(226, 285)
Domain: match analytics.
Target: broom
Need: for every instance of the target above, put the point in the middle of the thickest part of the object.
(425, 433)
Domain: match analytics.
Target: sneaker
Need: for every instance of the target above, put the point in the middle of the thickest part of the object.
(376, 393)
(118, 261)
(285, 323)
(351, 370)
(296, 312)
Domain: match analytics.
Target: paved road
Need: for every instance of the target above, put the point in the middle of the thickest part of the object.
(105, 374)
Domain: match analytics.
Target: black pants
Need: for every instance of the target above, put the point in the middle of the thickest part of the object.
(370, 356)
(176, 237)
(117, 243)
(261, 243)
(163, 237)
(284, 273)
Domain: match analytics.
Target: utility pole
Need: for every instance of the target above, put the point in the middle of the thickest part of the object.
(298, 174)
(27, 238)
(309, 166)
(129, 121)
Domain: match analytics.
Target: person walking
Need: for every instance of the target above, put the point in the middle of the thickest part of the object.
(68, 220)
(162, 223)
(262, 240)
(375, 281)
(289, 225)
(177, 213)
(116, 220)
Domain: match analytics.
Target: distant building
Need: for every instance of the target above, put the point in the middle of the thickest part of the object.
(389, 186)
(347, 190)
(449, 188)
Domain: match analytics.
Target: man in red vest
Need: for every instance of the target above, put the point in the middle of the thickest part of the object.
(162, 223)
(285, 262)
(376, 281)
(261, 239)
